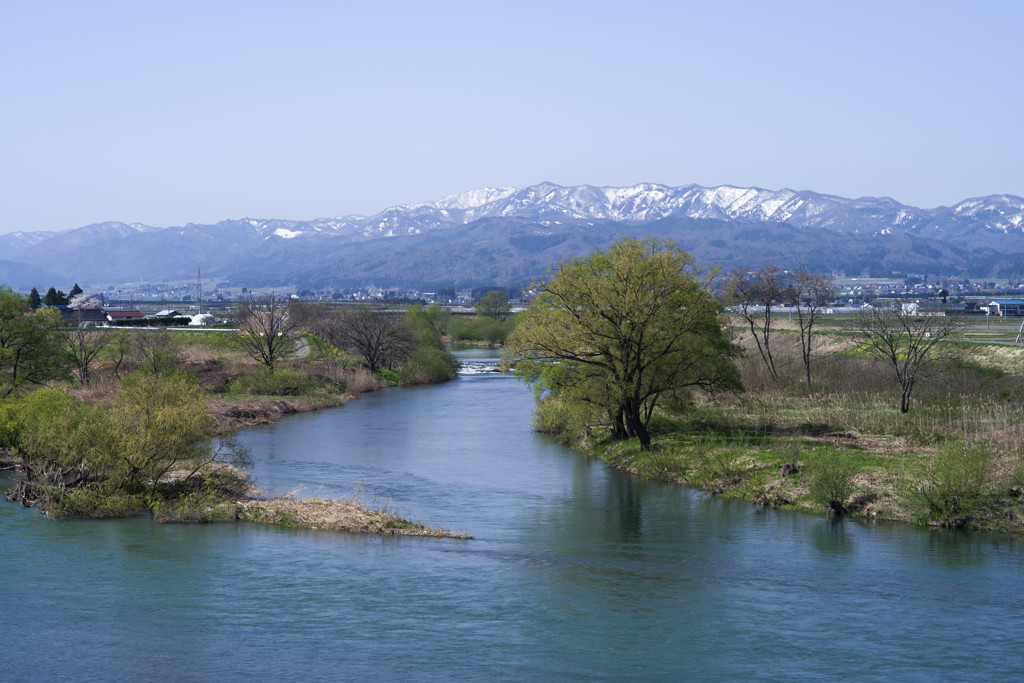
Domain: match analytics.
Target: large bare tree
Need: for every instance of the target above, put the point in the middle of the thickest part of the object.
(381, 338)
(264, 327)
(905, 340)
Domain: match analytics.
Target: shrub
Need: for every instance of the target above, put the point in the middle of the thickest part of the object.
(955, 483)
(280, 382)
(388, 377)
(10, 425)
(566, 420)
(830, 483)
(57, 430)
(428, 366)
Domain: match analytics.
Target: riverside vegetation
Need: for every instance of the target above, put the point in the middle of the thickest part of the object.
(754, 416)
(146, 422)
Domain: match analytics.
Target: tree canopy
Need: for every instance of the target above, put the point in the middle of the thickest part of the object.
(621, 328)
(29, 352)
(495, 305)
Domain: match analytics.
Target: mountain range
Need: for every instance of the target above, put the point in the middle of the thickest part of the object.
(510, 236)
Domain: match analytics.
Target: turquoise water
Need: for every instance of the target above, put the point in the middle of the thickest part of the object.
(576, 573)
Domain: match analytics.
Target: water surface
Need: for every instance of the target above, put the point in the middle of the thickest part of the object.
(576, 572)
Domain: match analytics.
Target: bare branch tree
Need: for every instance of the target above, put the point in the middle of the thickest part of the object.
(812, 293)
(906, 341)
(264, 327)
(82, 344)
(154, 350)
(381, 338)
(754, 292)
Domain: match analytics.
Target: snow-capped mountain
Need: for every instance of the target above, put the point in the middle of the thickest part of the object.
(647, 202)
(517, 233)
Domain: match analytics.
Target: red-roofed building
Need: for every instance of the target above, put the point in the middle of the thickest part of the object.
(118, 316)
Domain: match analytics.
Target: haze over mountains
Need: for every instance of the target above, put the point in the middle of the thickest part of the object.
(510, 236)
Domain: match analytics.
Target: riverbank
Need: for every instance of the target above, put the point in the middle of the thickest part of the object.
(215, 491)
(231, 415)
(841, 446)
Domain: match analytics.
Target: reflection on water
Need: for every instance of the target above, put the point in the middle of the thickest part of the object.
(829, 537)
(576, 572)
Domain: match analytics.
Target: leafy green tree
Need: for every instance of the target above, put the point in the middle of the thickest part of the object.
(495, 305)
(425, 360)
(34, 300)
(29, 350)
(621, 329)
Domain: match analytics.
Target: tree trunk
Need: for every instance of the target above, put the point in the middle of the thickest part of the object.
(905, 400)
(636, 426)
(618, 428)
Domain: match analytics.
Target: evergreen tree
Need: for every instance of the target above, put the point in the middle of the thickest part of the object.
(51, 298)
(34, 301)
(76, 290)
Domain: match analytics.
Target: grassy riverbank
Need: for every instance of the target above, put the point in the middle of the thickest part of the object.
(151, 431)
(956, 459)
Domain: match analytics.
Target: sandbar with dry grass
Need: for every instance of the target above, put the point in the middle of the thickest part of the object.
(327, 514)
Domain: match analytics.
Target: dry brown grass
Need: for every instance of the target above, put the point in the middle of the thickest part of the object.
(334, 515)
(231, 414)
(101, 390)
(229, 360)
(361, 381)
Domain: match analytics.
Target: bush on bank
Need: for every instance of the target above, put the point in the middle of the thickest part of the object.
(154, 444)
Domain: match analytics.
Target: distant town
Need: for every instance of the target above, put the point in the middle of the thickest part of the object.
(969, 296)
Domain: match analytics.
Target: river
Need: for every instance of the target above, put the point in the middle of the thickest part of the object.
(576, 572)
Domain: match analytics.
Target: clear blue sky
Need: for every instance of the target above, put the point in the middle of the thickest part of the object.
(174, 112)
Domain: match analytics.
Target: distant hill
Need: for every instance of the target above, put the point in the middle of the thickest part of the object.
(508, 236)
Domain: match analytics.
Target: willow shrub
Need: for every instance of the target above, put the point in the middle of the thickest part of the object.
(831, 482)
(56, 429)
(956, 484)
(155, 441)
